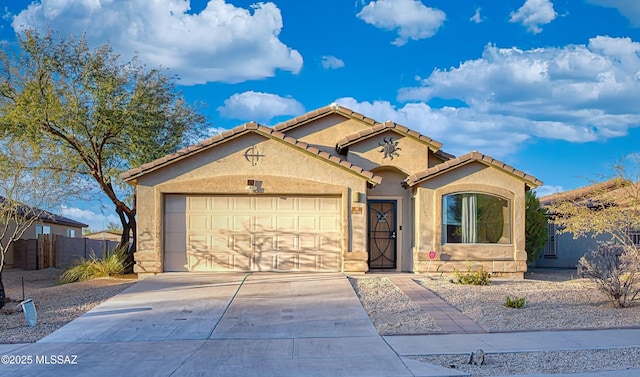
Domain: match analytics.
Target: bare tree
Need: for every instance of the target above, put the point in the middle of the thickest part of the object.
(611, 207)
(28, 192)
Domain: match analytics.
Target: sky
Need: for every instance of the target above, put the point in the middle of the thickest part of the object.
(551, 87)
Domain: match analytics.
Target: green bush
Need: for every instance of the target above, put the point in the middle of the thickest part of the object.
(470, 277)
(113, 263)
(515, 302)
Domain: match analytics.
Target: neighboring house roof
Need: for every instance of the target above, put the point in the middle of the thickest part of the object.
(379, 128)
(584, 193)
(468, 158)
(48, 217)
(225, 136)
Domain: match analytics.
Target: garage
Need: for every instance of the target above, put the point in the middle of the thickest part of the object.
(252, 233)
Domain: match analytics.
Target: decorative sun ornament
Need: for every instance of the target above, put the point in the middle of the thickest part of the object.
(389, 148)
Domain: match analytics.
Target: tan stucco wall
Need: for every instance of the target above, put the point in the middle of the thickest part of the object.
(325, 132)
(412, 156)
(225, 170)
(508, 259)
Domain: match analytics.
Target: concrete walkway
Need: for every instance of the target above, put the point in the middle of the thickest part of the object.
(450, 319)
(261, 324)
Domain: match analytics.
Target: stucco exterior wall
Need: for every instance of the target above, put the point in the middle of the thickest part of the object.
(506, 259)
(323, 133)
(225, 169)
(570, 250)
(412, 157)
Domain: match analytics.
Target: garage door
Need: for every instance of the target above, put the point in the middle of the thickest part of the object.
(252, 233)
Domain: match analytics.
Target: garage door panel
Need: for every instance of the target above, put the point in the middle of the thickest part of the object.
(329, 205)
(242, 243)
(242, 203)
(198, 204)
(307, 223)
(329, 223)
(198, 243)
(198, 223)
(241, 223)
(252, 232)
(286, 243)
(264, 223)
(308, 242)
(329, 243)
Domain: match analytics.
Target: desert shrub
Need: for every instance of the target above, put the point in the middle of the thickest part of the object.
(515, 302)
(112, 263)
(615, 268)
(470, 277)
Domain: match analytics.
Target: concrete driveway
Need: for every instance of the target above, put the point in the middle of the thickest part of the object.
(221, 324)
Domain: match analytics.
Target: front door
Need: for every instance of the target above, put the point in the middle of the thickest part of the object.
(382, 234)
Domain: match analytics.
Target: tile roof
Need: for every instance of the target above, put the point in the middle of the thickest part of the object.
(319, 113)
(454, 163)
(225, 136)
(587, 193)
(383, 127)
(46, 216)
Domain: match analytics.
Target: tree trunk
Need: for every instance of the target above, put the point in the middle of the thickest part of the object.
(129, 243)
(2, 294)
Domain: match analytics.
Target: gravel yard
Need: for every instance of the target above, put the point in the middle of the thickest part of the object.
(55, 304)
(554, 300)
(391, 311)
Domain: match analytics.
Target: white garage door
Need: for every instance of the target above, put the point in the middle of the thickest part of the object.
(252, 233)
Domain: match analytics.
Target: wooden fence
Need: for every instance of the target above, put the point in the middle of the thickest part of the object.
(57, 251)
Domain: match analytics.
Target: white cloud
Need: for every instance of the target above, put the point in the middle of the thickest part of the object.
(576, 93)
(548, 190)
(331, 62)
(461, 130)
(96, 221)
(259, 106)
(222, 43)
(533, 14)
(413, 19)
(628, 8)
(477, 18)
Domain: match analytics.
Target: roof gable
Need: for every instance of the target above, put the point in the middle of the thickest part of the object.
(251, 127)
(468, 158)
(380, 128)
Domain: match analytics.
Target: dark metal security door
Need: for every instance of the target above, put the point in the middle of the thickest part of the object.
(382, 234)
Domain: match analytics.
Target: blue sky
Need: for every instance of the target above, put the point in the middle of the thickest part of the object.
(551, 87)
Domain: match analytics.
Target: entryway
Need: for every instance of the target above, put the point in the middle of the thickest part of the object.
(382, 229)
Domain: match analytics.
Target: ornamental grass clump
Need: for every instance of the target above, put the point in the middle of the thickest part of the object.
(113, 263)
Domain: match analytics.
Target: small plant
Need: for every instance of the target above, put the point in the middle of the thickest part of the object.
(515, 302)
(470, 277)
(112, 263)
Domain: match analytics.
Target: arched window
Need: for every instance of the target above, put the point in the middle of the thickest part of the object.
(475, 218)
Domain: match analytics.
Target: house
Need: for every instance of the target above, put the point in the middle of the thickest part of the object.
(330, 190)
(108, 235)
(562, 250)
(47, 223)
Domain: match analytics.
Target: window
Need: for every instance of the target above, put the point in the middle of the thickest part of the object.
(475, 218)
(71, 232)
(550, 247)
(42, 229)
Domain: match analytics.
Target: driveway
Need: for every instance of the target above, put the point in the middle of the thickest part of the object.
(221, 324)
